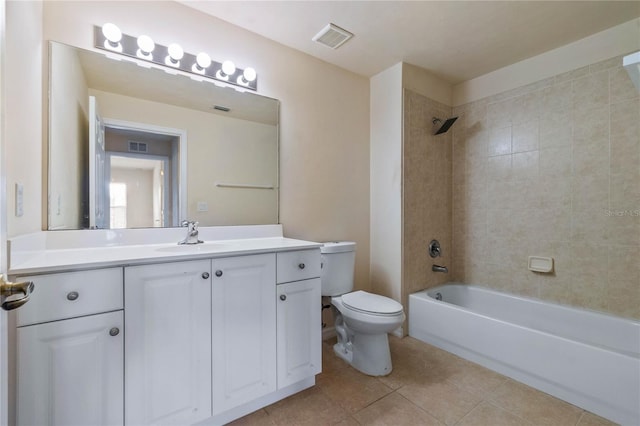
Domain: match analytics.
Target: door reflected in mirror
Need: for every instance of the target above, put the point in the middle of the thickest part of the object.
(133, 147)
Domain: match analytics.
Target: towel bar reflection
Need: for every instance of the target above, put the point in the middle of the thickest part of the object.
(243, 185)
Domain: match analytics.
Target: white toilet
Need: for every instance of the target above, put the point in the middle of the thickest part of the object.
(362, 320)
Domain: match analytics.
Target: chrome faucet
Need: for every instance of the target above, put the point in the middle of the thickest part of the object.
(192, 232)
(438, 268)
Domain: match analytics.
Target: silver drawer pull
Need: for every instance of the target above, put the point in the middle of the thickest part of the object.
(73, 296)
(301, 265)
(114, 331)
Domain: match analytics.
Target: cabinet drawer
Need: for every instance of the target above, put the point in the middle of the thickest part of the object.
(297, 265)
(72, 294)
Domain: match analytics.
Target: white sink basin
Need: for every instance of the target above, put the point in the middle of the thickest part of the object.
(193, 248)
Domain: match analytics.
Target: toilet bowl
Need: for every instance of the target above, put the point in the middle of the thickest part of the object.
(362, 320)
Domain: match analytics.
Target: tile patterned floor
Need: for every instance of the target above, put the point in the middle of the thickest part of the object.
(427, 386)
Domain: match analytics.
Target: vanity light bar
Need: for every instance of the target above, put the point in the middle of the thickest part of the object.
(110, 38)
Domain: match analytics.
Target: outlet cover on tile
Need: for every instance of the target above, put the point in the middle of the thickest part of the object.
(203, 206)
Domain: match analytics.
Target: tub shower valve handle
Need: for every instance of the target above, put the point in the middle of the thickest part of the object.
(434, 249)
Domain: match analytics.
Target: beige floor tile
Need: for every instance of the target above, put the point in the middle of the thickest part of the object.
(394, 410)
(349, 421)
(351, 389)
(444, 401)
(309, 407)
(330, 362)
(590, 419)
(534, 406)
(490, 415)
(257, 418)
(475, 378)
(415, 362)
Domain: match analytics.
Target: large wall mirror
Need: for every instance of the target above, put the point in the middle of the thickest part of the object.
(132, 146)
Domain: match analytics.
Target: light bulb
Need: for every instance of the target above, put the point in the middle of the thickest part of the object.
(249, 74)
(146, 44)
(228, 67)
(175, 54)
(203, 60)
(112, 33)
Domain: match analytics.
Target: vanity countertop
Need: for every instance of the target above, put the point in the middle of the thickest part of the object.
(41, 259)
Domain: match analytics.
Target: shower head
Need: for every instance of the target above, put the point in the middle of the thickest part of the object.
(442, 127)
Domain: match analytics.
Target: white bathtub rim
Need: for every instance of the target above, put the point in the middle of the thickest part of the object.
(529, 299)
(604, 347)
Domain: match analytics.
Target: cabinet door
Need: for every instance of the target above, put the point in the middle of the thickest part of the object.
(168, 343)
(299, 331)
(70, 372)
(244, 330)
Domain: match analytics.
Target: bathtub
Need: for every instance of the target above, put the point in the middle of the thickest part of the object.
(589, 359)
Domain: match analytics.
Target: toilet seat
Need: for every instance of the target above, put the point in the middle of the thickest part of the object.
(372, 304)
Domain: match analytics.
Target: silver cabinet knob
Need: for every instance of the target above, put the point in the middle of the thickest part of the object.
(283, 297)
(301, 265)
(218, 273)
(205, 275)
(114, 331)
(73, 295)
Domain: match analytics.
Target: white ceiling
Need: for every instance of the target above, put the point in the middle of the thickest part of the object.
(455, 40)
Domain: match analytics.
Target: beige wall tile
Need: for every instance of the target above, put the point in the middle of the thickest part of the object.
(525, 136)
(614, 62)
(556, 97)
(571, 75)
(591, 91)
(500, 141)
(556, 127)
(621, 85)
(556, 170)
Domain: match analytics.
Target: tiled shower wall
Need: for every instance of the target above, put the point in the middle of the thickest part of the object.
(551, 169)
(426, 200)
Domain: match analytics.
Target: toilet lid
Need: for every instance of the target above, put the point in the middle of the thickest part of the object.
(372, 303)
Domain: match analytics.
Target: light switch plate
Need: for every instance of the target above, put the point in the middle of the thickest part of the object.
(19, 199)
(203, 206)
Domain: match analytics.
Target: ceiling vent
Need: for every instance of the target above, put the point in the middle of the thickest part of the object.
(332, 36)
(135, 146)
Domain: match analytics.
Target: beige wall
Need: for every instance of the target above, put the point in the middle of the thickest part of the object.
(324, 112)
(139, 195)
(70, 127)
(553, 169)
(23, 124)
(219, 149)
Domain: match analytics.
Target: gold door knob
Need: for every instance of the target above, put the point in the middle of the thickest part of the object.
(14, 295)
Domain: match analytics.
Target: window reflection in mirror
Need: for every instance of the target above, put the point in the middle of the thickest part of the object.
(200, 163)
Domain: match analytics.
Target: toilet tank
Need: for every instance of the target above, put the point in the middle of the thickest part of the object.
(338, 262)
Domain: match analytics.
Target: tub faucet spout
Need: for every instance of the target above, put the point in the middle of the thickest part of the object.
(438, 268)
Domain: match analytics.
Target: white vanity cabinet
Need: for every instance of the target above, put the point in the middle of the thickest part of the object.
(243, 325)
(70, 350)
(167, 335)
(298, 316)
(168, 343)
